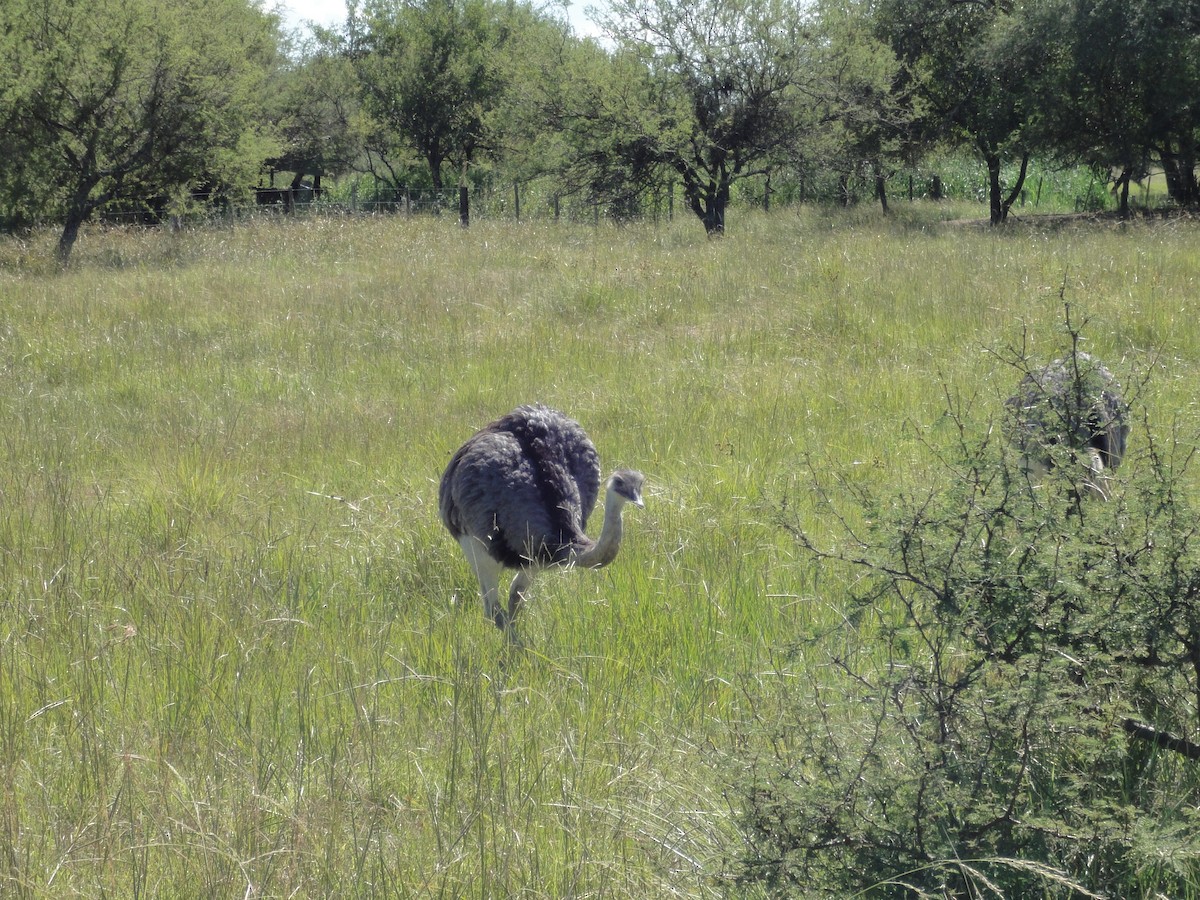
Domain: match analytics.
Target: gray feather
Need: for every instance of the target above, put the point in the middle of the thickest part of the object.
(1077, 403)
(525, 485)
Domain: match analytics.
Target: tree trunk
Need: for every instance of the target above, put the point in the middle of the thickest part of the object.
(999, 205)
(995, 203)
(708, 204)
(1018, 186)
(1188, 170)
(1180, 171)
(464, 199)
(1121, 188)
(881, 189)
(78, 211)
(714, 214)
(70, 233)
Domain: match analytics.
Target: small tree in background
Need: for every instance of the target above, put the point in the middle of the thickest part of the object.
(431, 77)
(128, 99)
(870, 112)
(720, 100)
(317, 112)
(1014, 705)
(975, 88)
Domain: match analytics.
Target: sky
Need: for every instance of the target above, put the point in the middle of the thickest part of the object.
(333, 12)
(323, 12)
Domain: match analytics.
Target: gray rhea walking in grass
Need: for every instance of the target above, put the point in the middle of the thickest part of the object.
(1074, 402)
(518, 494)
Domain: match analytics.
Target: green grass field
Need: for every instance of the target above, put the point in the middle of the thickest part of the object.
(239, 656)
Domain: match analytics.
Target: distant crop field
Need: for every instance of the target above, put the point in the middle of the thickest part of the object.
(239, 656)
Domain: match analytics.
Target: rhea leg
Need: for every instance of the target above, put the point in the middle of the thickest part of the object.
(487, 570)
(1097, 478)
(516, 593)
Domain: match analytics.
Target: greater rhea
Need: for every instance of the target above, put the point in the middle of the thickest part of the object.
(1073, 402)
(518, 494)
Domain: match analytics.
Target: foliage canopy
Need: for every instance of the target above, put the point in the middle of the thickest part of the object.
(128, 99)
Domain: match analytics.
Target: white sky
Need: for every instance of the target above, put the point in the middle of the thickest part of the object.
(323, 12)
(333, 12)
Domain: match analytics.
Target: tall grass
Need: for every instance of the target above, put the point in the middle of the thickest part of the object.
(238, 655)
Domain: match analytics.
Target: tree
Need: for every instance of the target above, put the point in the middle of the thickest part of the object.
(871, 112)
(430, 76)
(1090, 87)
(1129, 82)
(602, 111)
(129, 99)
(540, 70)
(710, 90)
(1168, 36)
(974, 86)
(319, 119)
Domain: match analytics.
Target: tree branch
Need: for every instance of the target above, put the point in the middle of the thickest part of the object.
(1162, 739)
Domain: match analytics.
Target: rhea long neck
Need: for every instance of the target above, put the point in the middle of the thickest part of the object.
(604, 549)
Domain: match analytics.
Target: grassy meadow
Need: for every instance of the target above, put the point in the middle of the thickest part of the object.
(239, 656)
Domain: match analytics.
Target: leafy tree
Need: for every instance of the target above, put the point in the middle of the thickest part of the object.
(600, 114)
(1090, 106)
(1167, 35)
(1014, 705)
(1124, 91)
(430, 74)
(710, 90)
(975, 86)
(541, 70)
(870, 109)
(319, 118)
(128, 99)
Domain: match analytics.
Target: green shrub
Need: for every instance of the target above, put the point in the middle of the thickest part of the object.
(1012, 707)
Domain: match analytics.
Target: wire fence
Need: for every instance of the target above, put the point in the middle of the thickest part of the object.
(515, 202)
(543, 201)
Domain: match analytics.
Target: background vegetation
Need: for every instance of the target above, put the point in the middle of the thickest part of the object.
(238, 655)
(154, 109)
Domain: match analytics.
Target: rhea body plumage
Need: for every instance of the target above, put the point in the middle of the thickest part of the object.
(518, 495)
(1074, 402)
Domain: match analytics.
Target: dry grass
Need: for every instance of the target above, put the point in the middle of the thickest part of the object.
(239, 656)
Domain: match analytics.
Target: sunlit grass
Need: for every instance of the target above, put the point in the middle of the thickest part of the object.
(238, 654)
